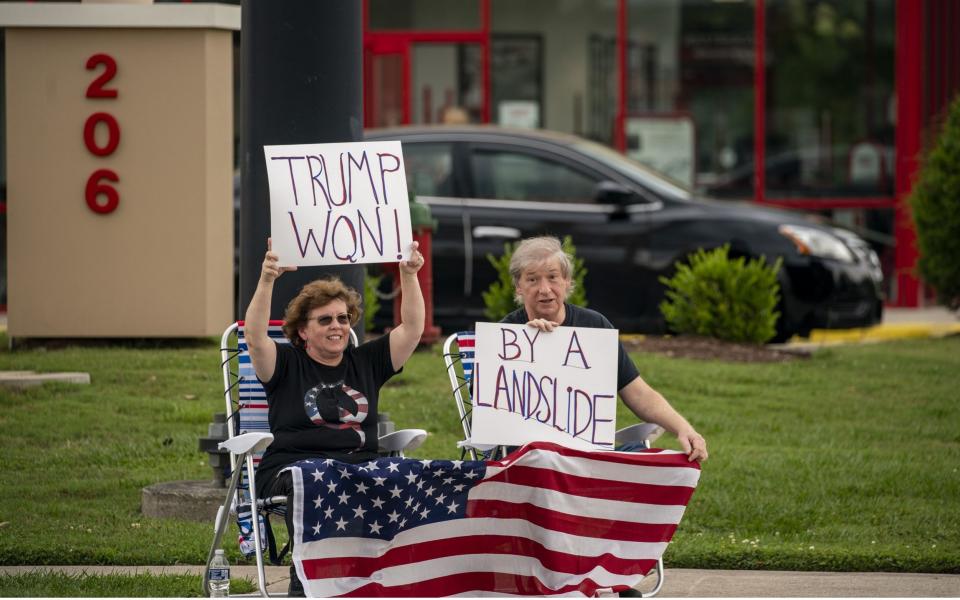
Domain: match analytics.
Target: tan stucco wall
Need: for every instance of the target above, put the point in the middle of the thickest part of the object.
(161, 265)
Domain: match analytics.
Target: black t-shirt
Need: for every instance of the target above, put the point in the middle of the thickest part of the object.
(321, 411)
(578, 316)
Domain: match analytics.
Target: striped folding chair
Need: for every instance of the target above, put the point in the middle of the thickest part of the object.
(459, 358)
(249, 436)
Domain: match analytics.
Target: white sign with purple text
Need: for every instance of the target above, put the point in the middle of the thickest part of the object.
(335, 204)
(530, 385)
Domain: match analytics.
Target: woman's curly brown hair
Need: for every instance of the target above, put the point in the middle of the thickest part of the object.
(314, 295)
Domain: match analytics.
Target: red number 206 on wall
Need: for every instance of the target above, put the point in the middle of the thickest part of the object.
(98, 184)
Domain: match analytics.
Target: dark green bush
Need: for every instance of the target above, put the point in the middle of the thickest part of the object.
(935, 200)
(726, 298)
(499, 297)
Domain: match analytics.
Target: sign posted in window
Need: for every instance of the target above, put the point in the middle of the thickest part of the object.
(335, 204)
(531, 385)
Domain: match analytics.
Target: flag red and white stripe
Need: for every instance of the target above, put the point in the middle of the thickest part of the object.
(546, 520)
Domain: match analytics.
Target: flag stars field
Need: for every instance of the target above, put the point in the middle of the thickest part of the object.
(409, 484)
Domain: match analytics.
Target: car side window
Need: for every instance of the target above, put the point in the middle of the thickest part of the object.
(508, 175)
(429, 168)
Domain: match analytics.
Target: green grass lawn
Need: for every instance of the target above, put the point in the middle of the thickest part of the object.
(82, 585)
(846, 461)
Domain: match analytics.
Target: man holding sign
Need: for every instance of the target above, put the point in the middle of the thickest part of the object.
(542, 278)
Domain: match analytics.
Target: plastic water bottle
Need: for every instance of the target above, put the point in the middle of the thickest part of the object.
(219, 575)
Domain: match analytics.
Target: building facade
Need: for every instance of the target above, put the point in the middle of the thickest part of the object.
(815, 105)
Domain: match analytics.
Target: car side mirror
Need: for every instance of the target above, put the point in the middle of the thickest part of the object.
(611, 192)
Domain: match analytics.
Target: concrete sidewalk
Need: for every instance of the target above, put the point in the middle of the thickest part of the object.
(678, 583)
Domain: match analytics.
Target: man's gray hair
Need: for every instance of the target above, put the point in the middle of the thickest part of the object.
(535, 251)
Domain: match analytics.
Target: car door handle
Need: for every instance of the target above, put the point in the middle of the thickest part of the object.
(487, 231)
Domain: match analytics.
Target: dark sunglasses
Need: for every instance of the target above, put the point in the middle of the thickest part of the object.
(326, 320)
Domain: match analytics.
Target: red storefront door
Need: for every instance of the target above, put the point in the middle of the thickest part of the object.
(386, 84)
(415, 77)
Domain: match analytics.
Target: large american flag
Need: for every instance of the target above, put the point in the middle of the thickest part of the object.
(545, 520)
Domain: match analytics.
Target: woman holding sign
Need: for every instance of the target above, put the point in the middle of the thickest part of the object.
(322, 393)
(542, 279)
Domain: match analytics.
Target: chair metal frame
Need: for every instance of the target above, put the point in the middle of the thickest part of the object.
(248, 437)
(460, 385)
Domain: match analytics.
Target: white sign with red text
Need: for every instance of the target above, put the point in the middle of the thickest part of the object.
(530, 385)
(336, 204)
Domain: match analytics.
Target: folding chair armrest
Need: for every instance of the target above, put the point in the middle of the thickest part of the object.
(481, 447)
(639, 432)
(248, 442)
(402, 440)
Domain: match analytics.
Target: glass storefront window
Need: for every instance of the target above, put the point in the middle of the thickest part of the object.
(516, 87)
(690, 91)
(553, 65)
(447, 85)
(386, 89)
(425, 14)
(830, 98)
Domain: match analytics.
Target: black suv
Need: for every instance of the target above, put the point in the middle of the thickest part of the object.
(487, 186)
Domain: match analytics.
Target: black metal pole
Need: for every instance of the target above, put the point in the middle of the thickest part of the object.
(301, 65)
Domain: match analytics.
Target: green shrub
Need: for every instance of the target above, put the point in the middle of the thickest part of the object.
(499, 297)
(371, 301)
(935, 200)
(726, 298)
